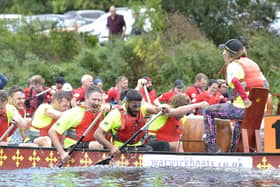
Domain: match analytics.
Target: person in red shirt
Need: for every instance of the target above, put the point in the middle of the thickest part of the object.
(79, 94)
(36, 94)
(211, 95)
(115, 92)
(166, 97)
(198, 87)
(116, 23)
(149, 95)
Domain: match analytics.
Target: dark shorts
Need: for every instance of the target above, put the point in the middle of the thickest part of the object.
(82, 145)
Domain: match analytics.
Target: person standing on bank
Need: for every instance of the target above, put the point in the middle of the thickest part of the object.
(242, 75)
(116, 23)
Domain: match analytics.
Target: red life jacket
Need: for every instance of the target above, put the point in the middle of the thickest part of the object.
(4, 125)
(44, 130)
(252, 73)
(170, 131)
(129, 126)
(76, 133)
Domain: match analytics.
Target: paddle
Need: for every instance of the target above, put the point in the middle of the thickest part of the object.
(38, 94)
(8, 131)
(82, 137)
(147, 94)
(107, 160)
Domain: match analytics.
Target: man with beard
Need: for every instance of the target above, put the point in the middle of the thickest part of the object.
(75, 121)
(124, 121)
(16, 97)
(149, 95)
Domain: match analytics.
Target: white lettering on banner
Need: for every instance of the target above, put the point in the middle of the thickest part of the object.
(197, 161)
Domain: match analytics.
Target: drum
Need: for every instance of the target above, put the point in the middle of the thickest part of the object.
(193, 130)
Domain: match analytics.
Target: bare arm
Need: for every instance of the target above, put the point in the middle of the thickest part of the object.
(182, 110)
(99, 136)
(55, 140)
(20, 121)
(55, 114)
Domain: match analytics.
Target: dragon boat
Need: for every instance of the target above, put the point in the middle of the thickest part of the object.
(258, 148)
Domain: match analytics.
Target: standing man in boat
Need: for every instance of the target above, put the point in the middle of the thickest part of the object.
(8, 115)
(242, 74)
(168, 127)
(44, 117)
(124, 121)
(75, 121)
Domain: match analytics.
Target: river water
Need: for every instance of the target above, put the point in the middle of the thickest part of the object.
(124, 176)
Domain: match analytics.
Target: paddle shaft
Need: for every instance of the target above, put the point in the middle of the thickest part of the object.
(83, 136)
(107, 160)
(147, 94)
(38, 94)
(7, 131)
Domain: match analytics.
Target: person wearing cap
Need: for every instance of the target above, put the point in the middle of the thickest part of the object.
(124, 121)
(59, 82)
(99, 82)
(242, 74)
(67, 88)
(198, 87)
(145, 87)
(166, 97)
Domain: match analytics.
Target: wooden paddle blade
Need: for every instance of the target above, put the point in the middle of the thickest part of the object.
(104, 162)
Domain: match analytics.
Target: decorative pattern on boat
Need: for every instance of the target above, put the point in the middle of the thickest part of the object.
(19, 158)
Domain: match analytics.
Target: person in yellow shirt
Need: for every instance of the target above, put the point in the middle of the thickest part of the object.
(76, 121)
(44, 117)
(124, 121)
(242, 74)
(8, 115)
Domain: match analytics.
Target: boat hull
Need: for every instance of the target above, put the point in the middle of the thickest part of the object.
(13, 157)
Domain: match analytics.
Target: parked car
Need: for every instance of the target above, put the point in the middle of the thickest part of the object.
(275, 25)
(11, 21)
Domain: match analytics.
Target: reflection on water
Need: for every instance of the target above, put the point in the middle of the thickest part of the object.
(121, 176)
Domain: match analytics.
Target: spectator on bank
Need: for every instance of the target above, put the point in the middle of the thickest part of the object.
(116, 23)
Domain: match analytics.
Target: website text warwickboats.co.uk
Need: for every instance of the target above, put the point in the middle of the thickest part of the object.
(197, 161)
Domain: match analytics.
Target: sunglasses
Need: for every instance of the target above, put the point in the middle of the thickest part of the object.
(135, 105)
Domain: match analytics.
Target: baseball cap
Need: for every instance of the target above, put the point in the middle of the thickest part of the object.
(97, 81)
(232, 46)
(179, 84)
(59, 80)
(147, 78)
(67, 87)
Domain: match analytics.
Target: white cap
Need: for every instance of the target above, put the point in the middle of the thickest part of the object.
(67, 87)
